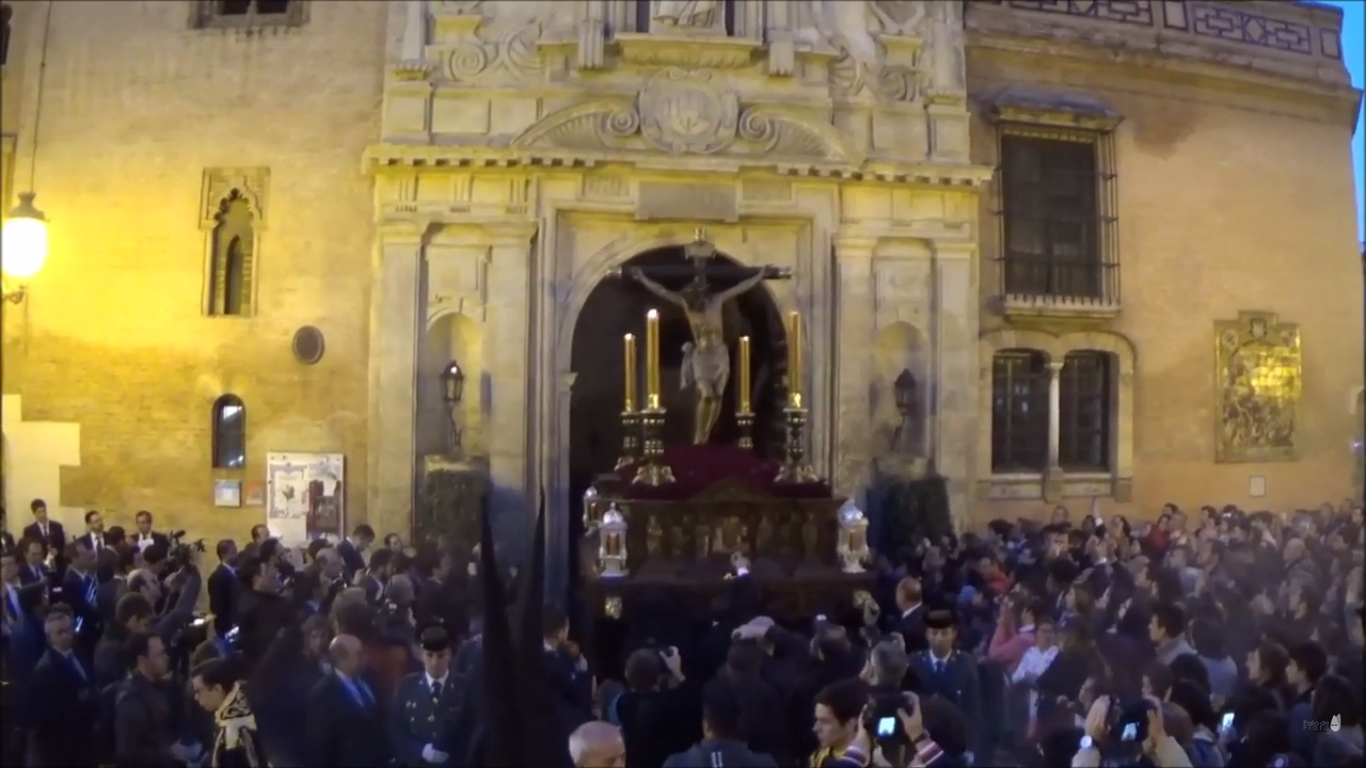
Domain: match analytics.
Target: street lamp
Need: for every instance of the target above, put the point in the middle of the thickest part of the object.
(904, 391)
(453, 380)
(23, 245)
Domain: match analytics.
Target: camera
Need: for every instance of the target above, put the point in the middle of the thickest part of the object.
(178, 553)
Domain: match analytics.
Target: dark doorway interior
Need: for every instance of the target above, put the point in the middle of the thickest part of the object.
(616, 307)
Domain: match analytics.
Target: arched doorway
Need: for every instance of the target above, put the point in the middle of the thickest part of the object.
(617, 306)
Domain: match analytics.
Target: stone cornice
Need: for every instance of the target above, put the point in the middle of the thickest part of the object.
(1257, 77)
(382, 158)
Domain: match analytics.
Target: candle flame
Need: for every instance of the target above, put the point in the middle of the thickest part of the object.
(652, 314)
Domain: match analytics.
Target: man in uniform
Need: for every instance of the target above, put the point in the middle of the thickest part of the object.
(945, 672)
(424, 711)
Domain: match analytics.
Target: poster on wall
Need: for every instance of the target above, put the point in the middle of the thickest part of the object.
(305, 496)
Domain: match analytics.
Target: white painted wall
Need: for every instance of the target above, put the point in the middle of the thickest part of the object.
(34, 453)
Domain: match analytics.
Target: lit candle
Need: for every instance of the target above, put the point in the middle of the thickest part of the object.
(652, 360)
(628, 343)
(794, 359)
(744, 374)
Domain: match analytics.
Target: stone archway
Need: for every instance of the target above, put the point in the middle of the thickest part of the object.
(617, 306)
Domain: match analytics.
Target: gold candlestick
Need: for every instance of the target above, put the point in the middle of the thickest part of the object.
(652, 469)
(744, 417)
(652, 360)
(794, 359)
(630, 418)
(628, 343)
(744, 375)
(795, 469)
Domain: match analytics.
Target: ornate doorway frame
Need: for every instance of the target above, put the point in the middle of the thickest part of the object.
(566, 290)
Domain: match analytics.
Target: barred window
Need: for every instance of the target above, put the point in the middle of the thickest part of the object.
(249, 13)
(1086, 396)
(1052, 217)
(1019, 411)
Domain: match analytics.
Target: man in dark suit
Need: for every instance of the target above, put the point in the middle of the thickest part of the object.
(352, 548)
(145, 536)
(80, 593)
(42, 529)
(61, 702)
(377, 575)
(94, 536)
(261, 610)
(34, 569)
(422, 725)
(566, 673)
(345, 728)
(911, 624)
(945, 672)
(6, 538)
(223, 588)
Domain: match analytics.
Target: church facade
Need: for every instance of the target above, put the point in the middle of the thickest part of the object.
(297, 215)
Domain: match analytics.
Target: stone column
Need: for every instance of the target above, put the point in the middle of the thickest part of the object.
(394, 337)
(954, 426)
(1054, 411)
(854, 342)
(507, 350)
(1053, 473)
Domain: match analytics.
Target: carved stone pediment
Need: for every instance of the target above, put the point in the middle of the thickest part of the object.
(687, 112)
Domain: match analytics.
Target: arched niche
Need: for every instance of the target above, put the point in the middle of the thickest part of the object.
(900, 347)
(451, 337)
(617, 306)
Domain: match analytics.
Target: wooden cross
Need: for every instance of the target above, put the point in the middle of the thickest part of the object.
(702, 253)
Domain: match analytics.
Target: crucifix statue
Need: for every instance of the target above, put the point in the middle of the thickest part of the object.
(706, 359)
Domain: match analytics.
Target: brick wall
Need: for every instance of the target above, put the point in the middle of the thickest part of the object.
(136, 105)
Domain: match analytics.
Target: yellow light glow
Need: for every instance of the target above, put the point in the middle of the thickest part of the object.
(23, 242)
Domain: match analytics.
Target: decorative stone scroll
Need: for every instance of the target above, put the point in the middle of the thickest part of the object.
(687, 112)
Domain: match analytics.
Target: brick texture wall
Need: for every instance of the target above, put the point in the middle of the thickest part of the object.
(135, 106)
(1229, 200)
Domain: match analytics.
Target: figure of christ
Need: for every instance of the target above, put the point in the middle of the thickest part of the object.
(706, 359)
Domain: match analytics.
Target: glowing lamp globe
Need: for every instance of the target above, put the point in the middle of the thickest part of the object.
(23, 242)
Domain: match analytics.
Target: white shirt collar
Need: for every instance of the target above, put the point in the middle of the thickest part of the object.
(434, 681)
(938, 660)
(908, 611)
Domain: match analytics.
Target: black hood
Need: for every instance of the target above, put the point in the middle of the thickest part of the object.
(522, 726)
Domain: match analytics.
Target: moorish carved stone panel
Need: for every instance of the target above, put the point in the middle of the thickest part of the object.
(1258, 377)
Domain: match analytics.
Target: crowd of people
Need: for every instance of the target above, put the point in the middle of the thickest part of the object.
(1219, 639)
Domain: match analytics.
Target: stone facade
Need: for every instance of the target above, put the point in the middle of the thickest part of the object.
(512, 154)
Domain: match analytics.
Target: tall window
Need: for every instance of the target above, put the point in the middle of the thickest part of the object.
(1019, 411)
(1084, 434)
(6, 13)
(229, 433)
(230, 268)
(1052, 226)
